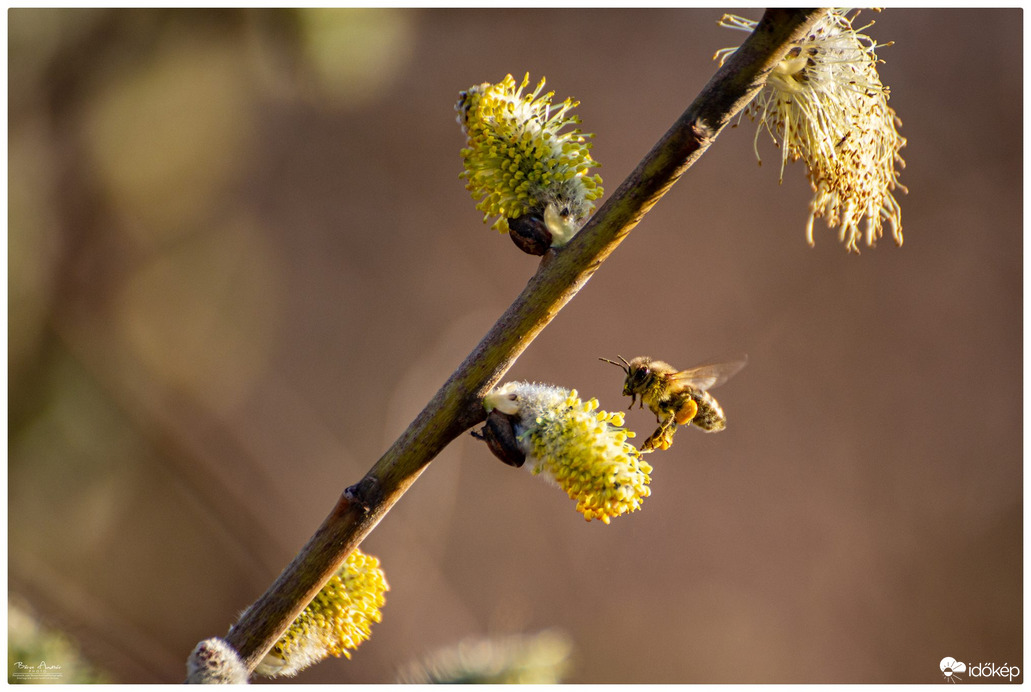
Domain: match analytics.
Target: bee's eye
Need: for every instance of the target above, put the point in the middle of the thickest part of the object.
(636, 378)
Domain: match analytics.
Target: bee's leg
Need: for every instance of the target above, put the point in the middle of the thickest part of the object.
(651, 442)
(667, 435)
(662, 438)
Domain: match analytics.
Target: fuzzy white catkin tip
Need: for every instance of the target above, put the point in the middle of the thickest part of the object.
(214, 662)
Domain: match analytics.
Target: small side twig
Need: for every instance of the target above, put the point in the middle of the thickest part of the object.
(457, 405)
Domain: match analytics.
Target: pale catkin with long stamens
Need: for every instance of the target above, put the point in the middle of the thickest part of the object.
(824, 103)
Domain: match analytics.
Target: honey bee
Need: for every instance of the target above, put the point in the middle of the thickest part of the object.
(676, 397)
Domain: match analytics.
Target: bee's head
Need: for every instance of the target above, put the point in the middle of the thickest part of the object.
(638, 372)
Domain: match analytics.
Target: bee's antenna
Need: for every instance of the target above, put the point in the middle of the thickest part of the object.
(624, 366)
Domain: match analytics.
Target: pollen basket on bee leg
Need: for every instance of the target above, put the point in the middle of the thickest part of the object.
(687, 412)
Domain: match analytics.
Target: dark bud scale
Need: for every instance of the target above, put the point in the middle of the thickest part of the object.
(530, 234)
(499, 434)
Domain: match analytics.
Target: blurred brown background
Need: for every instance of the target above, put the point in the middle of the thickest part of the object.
(241, 261)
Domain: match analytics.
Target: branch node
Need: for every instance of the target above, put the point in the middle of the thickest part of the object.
(366, 493)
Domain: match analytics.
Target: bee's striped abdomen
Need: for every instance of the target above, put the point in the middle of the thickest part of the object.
(710, 416)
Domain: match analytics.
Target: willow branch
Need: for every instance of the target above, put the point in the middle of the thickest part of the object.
(562, 273)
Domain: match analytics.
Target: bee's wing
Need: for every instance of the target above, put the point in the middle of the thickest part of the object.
(710, 375)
